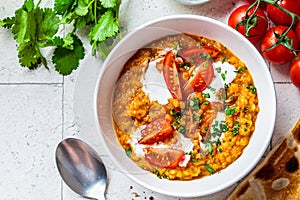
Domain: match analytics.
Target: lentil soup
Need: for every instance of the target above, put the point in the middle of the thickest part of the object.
(184, 107)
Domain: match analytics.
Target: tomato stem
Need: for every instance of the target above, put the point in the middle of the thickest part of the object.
(282, 38)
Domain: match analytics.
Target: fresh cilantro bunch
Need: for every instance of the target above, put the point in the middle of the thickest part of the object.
(35, 28)
(100, 15)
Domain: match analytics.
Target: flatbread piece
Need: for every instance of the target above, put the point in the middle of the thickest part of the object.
(278, 176)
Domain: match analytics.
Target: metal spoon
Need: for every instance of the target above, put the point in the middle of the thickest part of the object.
(81, 168)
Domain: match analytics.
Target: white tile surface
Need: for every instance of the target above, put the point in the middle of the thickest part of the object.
(30, 126)
(36, 110)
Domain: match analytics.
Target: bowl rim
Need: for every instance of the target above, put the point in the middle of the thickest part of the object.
(271, 118)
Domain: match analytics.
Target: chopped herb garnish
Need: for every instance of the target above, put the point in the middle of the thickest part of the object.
(252, 88)
(223, 127)
(210, 169)
(192, 60)
(220, 149)
(224, 95)
(209, 148)
(223, 76)
(206, 95)
(185, 65)
(245, 110)
(206, 103)
(212, 89)
(175, 123)
(218, 69)
(236, 128)
(197, 117)
(223, 60)
(226, 86)
(230, 111)
(128, 151)
(194, 103)
(156, 172)
(180, 44)
(181, 129)
(176, 114)
(189, 153)
(241, 70)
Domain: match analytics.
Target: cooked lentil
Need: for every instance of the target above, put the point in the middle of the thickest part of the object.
(132, 110)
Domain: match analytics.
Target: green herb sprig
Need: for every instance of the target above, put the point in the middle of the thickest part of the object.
(35, 28)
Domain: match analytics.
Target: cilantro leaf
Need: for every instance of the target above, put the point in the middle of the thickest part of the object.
(108, 3)
(67, 60)
(30, 55)
(55, 41)
(60, 7)
(7, 22)
(24, 29)
(28, 5)
(107, 27)
(82, 8)
(48, 23)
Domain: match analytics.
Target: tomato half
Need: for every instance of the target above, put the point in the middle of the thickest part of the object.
(171, 76)
(295, 71)
(278, 16)
(164, 158)
(203, 72)
(156, 131)
(257, 31)
(211, 51)
(280, 54)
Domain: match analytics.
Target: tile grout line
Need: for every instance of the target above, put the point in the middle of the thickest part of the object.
(29, 83)
(63, 115)
(62, 127)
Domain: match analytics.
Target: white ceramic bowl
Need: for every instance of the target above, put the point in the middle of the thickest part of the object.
(235, 42)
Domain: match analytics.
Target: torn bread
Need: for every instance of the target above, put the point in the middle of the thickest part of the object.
(278, 176)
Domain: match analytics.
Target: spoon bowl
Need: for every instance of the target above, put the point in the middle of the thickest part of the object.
(81, 168)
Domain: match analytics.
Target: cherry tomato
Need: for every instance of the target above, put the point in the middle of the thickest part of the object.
(280, 54)
(278, 16)
(164, 158)
(297, 30)
(156, 131)
(262, 4)
(257, 31)
(295, 71)
(171, 76)
(203, 72)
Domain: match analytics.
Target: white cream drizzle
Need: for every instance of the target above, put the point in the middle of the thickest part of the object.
(155, 86)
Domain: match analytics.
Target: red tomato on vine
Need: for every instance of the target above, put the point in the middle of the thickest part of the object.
(282, 52)
(278, 16)
(252, 27)
(262, 4)
(295, 71)
(297, 29)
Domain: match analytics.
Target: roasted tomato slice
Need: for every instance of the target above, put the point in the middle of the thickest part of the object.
(156, 131)
(171, 76)
(211, 51)
(202, 72)
(164, 158)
